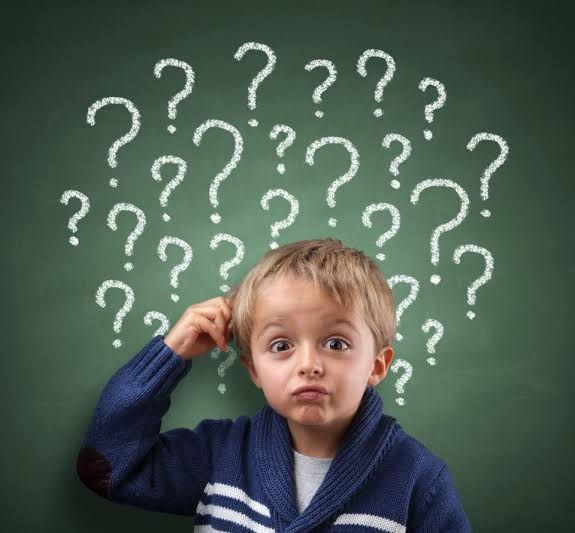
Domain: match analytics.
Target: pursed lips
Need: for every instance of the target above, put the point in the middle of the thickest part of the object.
(311, 388)
(311, 392)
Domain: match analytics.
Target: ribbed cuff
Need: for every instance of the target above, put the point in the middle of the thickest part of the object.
(157, 367)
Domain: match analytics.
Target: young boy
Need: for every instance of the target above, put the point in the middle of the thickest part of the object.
(314, 322)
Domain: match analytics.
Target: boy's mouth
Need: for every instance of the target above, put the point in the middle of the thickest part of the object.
(310, 392)
(310, 395)
(305, 388)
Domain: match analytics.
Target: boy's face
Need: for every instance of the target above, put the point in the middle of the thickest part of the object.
(310, 347)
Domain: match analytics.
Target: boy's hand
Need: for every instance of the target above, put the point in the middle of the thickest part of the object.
(201, 327)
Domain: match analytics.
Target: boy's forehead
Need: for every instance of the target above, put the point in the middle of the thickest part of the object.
(290, 302)
(285, 299)
(319, 320)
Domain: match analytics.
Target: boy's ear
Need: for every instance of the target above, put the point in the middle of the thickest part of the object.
(380, 365)
(249, 364)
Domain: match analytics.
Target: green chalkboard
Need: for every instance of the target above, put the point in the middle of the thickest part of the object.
(493, 398)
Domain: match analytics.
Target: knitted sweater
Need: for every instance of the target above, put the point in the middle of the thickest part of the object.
(238, 475)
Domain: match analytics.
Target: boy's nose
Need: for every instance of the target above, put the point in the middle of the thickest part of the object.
(309, 360)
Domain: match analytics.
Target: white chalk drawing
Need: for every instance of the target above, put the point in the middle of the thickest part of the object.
(436, 104)
(180, 267)
(402, 381)
(352, 171)
(328, 82)
(236, 260)
(136, 232)
(493, 166)
(231, 164)
(79, 215)
(181, 95)
(406, 302)
(285, 144)
(395, 223)
(224, 365)
(124, 139)
(262, 74)
(381, 84)
(448, 226)
(287, 221)
(434, 339)
(401, 158)
(155, 316)
(173, 183)
(285, 136)
(124, 310)
(483, 279)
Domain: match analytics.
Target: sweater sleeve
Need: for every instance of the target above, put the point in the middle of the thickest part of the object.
(441, 510)
(125, 458)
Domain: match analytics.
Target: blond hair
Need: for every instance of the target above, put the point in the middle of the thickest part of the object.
(348, 275)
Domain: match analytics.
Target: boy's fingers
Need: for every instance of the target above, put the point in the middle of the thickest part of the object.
(210, 328)
(226, 310)
(221, 328)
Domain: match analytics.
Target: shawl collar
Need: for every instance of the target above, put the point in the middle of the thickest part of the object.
(368, 438)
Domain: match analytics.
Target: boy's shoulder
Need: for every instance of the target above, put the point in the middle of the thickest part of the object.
(417, 458)
(222, 428)
(415, 448)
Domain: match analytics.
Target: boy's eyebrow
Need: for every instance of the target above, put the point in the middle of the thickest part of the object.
(333, 323)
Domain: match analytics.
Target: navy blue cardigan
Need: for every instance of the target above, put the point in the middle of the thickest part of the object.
(238, 475)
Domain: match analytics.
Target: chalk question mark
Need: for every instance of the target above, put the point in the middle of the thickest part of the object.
(262, 74)
(186, 91)
(485, 277)
(493, 166)
(402, 381)
(236, 260)
(448, 226)
(173, 183)
(137, 231)
(405, 153)
(286, 222)
(179, 268)
(124, 310)
(434, 339)
(406, 302)
(125, 139)
(435, 105)
(224, 365)
(328, 82)
(152, 316)
(73, 222)
(352, 171)
(395, 222)
(285, 144)
(232, 163)
(362, 71)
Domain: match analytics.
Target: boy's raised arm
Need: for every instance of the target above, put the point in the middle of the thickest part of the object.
(124, 457)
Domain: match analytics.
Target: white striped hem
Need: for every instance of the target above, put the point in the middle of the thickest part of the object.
(223, 513)
(222, 489)
(369, 520)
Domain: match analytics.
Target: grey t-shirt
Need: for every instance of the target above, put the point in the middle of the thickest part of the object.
(308, 473)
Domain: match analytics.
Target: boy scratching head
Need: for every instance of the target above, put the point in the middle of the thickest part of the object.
(314, 316)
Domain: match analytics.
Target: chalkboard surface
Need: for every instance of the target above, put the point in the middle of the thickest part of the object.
(104, 166)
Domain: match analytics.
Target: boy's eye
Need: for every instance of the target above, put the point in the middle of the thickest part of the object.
(336, 340)
(280, 343)
(330, 342)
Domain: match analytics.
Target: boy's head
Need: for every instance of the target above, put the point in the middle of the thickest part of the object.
(307, 289)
